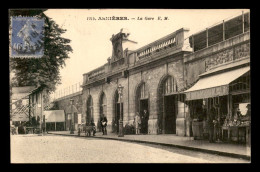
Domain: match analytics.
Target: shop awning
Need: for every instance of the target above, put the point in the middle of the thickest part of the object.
(214, 85)
(54, 115)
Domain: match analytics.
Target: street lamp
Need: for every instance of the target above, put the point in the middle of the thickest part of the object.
(120, 94)
(72, 117)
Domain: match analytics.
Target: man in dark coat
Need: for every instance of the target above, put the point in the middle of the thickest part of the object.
(103, 122)
(144, 122)
(211, 118)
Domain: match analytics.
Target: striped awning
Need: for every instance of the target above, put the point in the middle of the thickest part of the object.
(214, 85)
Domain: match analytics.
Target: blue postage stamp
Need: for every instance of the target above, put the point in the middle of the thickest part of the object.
(27, 37)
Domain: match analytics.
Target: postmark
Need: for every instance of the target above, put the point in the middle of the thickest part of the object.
(27, 37)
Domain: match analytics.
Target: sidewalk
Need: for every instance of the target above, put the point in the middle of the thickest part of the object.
(225, 149)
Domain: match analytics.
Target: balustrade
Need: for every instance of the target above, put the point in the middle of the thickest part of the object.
(96, 73)
(67, 91)
(156, 48)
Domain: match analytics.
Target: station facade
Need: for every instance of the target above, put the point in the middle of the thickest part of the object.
(166, 76)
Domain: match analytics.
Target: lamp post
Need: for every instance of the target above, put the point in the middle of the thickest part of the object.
(120, 94)
(72, 117)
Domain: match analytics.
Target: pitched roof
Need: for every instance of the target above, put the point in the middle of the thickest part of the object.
(21, 92)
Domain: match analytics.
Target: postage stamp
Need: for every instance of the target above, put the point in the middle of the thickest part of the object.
(27, 34)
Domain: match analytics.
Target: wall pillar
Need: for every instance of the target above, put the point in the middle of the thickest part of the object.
(188, 120)
(180, 120)
(152, 126)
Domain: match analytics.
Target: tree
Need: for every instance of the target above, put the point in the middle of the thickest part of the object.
(45, 71)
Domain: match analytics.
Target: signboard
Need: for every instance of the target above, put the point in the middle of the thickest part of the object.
(20, 117)
(79, 119)
(69, 116)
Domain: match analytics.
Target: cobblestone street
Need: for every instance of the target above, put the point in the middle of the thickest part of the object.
(62, 149)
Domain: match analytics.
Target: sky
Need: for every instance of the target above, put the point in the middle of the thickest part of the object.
(90, 39)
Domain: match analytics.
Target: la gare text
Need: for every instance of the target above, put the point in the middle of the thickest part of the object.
(126, 18)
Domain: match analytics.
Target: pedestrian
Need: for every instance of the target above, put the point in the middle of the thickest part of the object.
(79, 129)
(137, 123)
(93, 127)
(211, 118)
(116, 126)
(144, 121)
(216, 128)
(103, 122)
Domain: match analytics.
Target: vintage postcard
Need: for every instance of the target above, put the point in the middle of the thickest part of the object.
(130, 86)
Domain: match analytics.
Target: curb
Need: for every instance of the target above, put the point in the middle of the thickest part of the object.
(232, 155)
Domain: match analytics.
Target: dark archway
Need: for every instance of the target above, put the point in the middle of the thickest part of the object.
(141, 104)
(102, 108)
(167, 105)
(116, 117)
(89, 116)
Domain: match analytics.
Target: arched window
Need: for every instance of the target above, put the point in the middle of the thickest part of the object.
(170, 86)
(144, 92)
(142, 98)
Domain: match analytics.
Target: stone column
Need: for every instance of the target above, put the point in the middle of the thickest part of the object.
(153, 113)
(109, 115)
(152, 126)
(180, 120)
(95, 109)
(188, 120)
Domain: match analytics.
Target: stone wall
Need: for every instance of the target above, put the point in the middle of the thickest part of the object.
(152, 77)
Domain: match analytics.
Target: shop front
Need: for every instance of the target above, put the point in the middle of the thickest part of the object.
(55, 120)
(219, 105)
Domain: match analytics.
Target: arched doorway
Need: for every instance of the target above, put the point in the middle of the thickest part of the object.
(116, 117)
(142, 103)
(168, 106)
(103, 108)
(89, 110)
